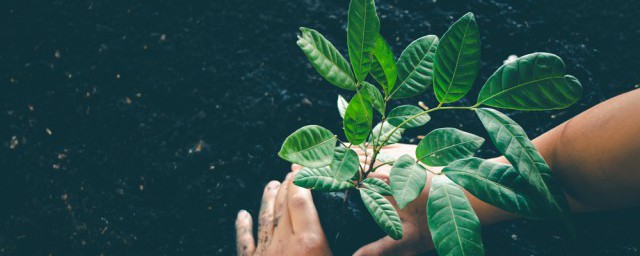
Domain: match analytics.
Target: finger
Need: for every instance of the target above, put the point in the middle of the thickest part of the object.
(282, 220)
(244, 234)
(384, 246)
(266, 220)
(302, 211)
(296, 167)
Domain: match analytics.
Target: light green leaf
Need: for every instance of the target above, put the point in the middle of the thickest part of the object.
(310, 146)
(358, 118)
(454, 226)
(457, 60)
(326, 59)
(363, 29)
(407, 180)
(513, 143)
(415, 68)
(320, 179)
(342, 105)
(382, 212)
(497, 184)
(536, 81)
(405, 112)
(378, 186)
(376, 97)
(345, 164)
(377, 135)
(386, 158)
(445, 145)
(383, 67)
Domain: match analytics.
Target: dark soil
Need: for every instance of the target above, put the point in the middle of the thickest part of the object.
(133, 128)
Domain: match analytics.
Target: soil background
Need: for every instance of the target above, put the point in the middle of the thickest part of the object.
(142, 127)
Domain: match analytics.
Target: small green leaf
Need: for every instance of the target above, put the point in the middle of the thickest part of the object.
(342, 105)
(497, 184)
(445, 145)
(407, 180)
(358, 118)
(382, 212)
(415, 68)
(326, 59)
(454, 226)
(378, 186)
(383, 67)
(320, 179)
(376, 97)
(345, 163)
(310, 146)
(457, 60)
(377, 135)
(386, 158)
(405, 112)
(363, 29)
(536, 81)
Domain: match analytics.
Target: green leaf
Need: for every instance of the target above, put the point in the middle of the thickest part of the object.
(513, 143)
(358, 118)
(378, 135)
(342, 105)
(415, 68)
(378, 186)
(382, 212)
(345, 164)
(326, 59)
(310, 146)
(497, 184)
(536, 81)
(320, 179)
(383, 67)
(454, 226)
(386, 158)
(376, 97)
(405, 112)
(457, 60)
(363, 29)
(445, 145)
(407, 180)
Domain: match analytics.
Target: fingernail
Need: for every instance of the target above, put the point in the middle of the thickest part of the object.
(242, 213)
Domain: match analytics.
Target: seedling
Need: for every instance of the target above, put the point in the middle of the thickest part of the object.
(449, 65)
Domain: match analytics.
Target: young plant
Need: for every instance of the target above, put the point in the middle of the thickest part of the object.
(533, 82)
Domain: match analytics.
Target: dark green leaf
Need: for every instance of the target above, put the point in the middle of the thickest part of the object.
(310, 146)
(537, 81)
(326, 59)
(378, 186)
(405, 112)
(378, 135)
(457, 60)
(445, 145)
(363, 29)
(345, 164)
(415, 68)
(407, 180)
(320, 179)
(376, 98)
(383, 67)
(382, 212)
(454, 226)
(358, 118)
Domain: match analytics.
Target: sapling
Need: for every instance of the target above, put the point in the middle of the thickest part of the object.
(449, 65)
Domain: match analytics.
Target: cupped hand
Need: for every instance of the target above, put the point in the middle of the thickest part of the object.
(288, 223)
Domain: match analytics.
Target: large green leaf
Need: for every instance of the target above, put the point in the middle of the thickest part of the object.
(378, 186)
(536, 81)
(363, 29)
(445, 145)
(376, 97)
(454, 226)
(345, 163)
(383, 67)
(513, 143)
(358, 118)
(320, 179)
(342, 105)
(310, 146)
(497, 184)
(457, 60)
(415, 68)
(382, 212)
(405, 112)
(407, 180)
(378, 135)
(326, 59)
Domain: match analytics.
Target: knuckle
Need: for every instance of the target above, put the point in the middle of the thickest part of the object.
(309, 242)
(298, 201)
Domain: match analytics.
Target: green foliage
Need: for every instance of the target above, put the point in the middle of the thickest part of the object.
(405, 117)
(407, 180)
(445, 145)
(376, 98)
(362, 33)
(345, 164)
(382, 212)
(358, 118)
(383, 67)
(378, 186)
(320, 179)
(310, 146)
(385, 130)
(415, 68)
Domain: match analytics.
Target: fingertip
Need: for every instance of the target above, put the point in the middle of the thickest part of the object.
(296, 167)
(274, 184)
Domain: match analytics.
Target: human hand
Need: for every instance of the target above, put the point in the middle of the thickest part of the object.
(288, 223)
